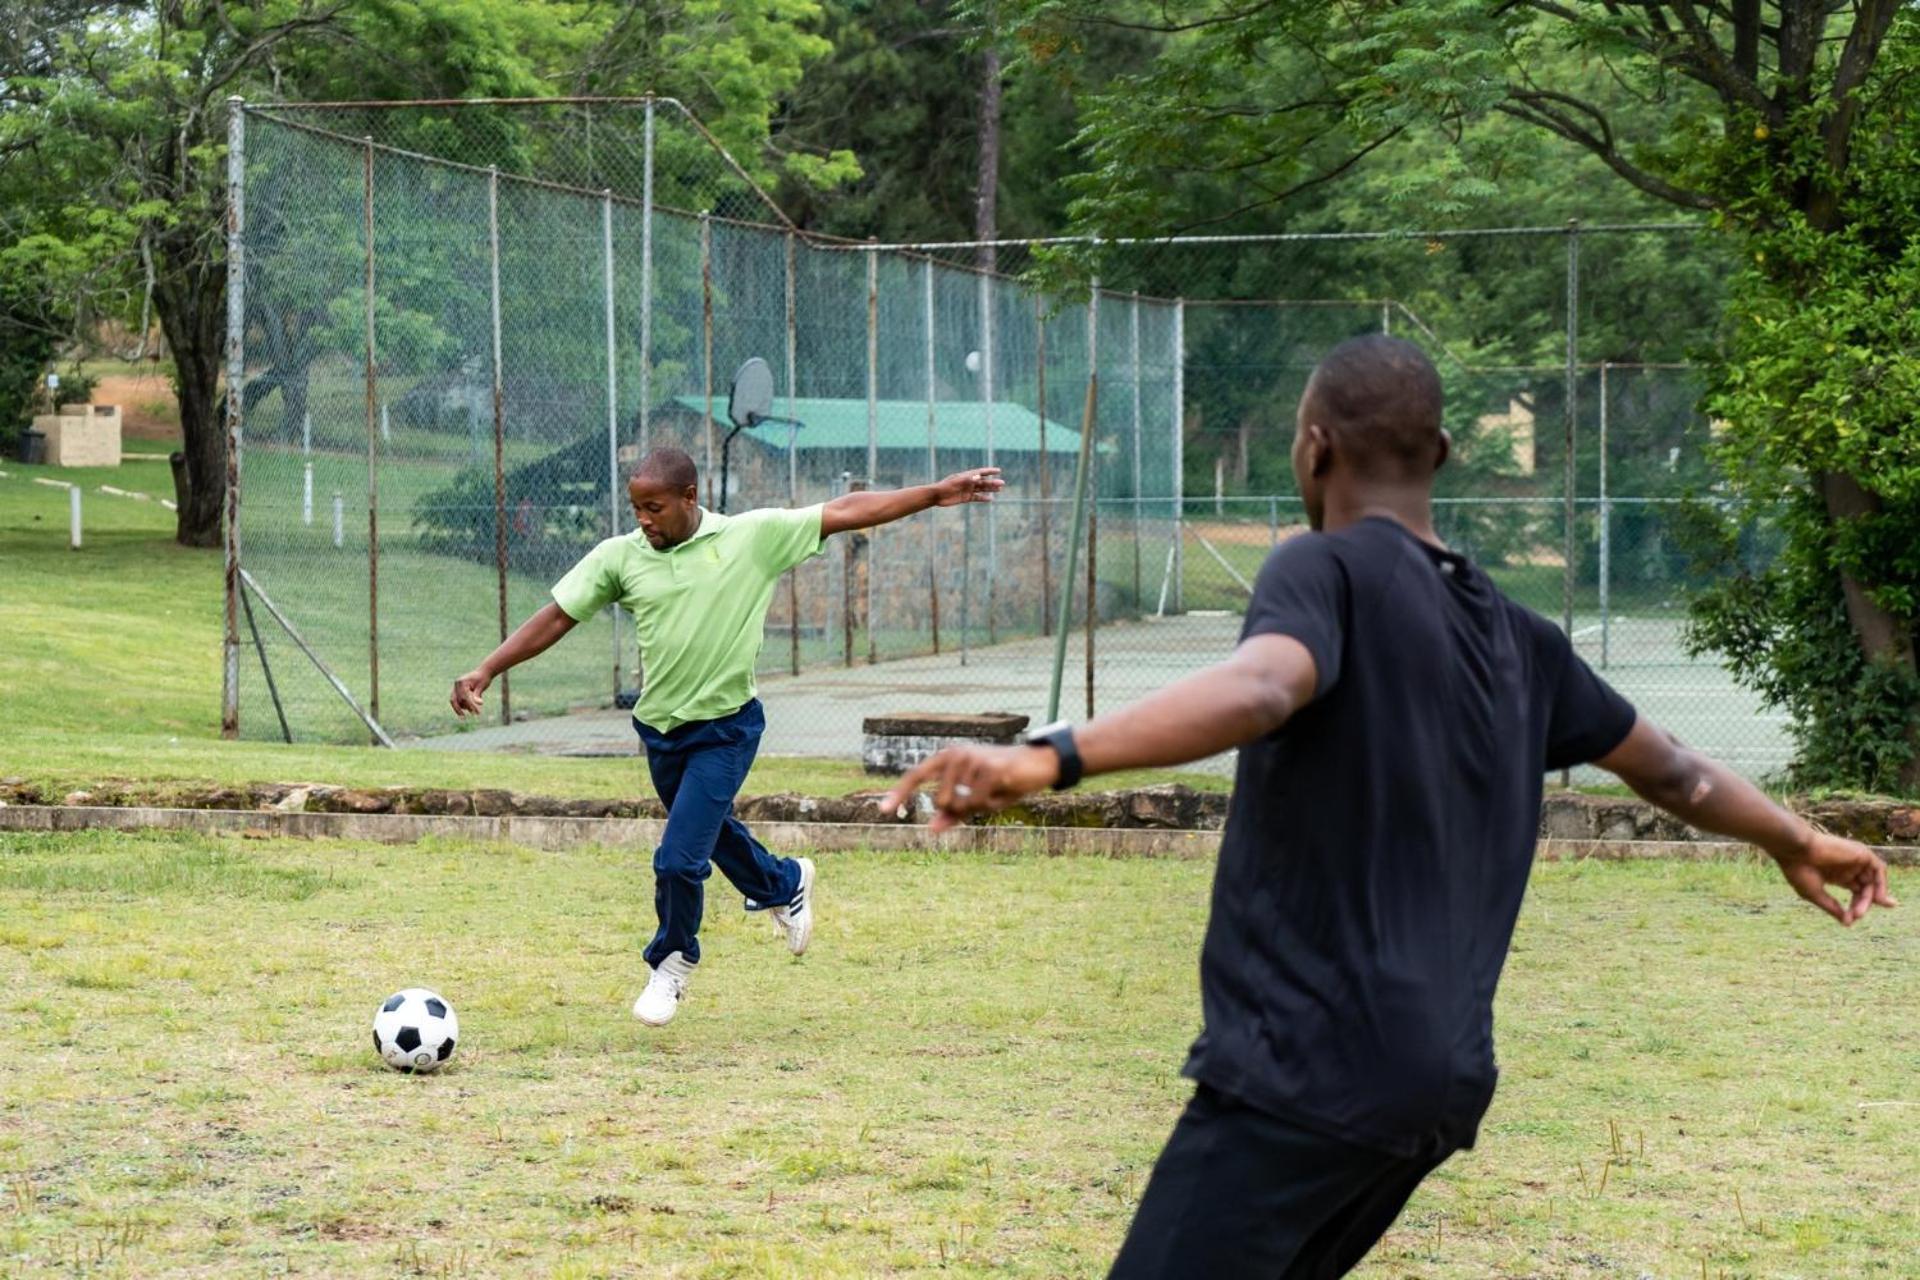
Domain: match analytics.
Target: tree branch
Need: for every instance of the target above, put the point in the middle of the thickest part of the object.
(1174, 28)
(1538, 110)
(1276, 197)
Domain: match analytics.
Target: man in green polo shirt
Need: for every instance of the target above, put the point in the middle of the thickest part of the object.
(698, 584)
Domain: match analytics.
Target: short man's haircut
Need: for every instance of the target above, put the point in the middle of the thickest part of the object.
(669, 467)
(1380, 399)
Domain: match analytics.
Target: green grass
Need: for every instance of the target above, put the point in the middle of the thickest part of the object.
(1701, 1075)
(112, 666)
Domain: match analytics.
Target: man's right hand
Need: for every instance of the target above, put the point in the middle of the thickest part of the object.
(1844, 864)
(469, 692)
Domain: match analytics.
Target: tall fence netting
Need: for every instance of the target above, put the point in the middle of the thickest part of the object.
(411, 490)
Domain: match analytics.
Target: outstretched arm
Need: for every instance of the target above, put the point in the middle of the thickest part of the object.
(1268, 678)
(535, 636)
(1710, 796)
(865, 510)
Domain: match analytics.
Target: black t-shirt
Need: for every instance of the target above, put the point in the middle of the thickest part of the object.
(1377, 845)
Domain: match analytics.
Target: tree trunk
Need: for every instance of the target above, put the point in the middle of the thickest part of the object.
(190, 299)
(987, 191)
(1881, 636)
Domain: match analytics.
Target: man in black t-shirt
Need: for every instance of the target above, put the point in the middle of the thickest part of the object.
(1395, 714)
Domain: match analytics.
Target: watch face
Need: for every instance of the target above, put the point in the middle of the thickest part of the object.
(1045, 731)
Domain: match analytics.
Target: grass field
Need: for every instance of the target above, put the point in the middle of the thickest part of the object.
(1702, 1077)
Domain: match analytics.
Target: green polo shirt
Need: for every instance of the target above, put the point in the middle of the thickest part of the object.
(699, 609)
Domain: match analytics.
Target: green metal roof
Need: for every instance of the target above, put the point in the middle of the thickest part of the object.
(902, 424)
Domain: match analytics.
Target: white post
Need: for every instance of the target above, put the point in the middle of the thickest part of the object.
(1179, 455)
(306, 432)
(386, 427)
(236, 381)
(339, 520)
(646, 277)
(73, 502)
(613, 411)
(306, 493)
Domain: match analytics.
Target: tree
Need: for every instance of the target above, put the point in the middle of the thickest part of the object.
(1789, 126)
(117, 109)
(920, 159)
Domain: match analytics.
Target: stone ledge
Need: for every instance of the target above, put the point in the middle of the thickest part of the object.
(558, 834)
(992, 726)
(1564, 816)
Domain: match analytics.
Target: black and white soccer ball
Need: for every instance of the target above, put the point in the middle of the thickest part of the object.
(415, 1031)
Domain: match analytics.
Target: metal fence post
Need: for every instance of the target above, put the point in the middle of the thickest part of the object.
(793, 456)
(873, 437)
(1606, 529)
(1572, 379)
(499, 430)
(646, 279)
(1572, 390)
(933, 469)
(613, 410)
(986, 374)
(706, 343)
(1046, 467)
(236, 378)
(1139, 492)
(373, 469)
(1093, 476)
(1179, 455)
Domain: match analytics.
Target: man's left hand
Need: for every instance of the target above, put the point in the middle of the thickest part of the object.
(968, 780)
(978, 485)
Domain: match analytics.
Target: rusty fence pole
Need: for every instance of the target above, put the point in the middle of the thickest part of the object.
(499, 431)
(373, 466)
(873, 439)
(706, 341)
(1046, 471)
(933, 471)
(793, 460)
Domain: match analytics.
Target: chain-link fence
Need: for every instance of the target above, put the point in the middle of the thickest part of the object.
(458, 325)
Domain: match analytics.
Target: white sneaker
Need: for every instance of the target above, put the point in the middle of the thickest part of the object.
(665, 990)
(795, 920)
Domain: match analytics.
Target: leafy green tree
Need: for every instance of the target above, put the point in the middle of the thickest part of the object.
(1789, 126)
(115, 111)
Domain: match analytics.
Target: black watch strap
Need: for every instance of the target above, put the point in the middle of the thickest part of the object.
(1059, 736)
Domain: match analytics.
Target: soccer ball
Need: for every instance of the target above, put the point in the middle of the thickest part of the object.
(415, 1031)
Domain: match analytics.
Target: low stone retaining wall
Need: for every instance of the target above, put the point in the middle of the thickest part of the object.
(1156, 821)
(563, 833)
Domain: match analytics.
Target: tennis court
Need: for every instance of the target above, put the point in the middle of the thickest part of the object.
(818, 713)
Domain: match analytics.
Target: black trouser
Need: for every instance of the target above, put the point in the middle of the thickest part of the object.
(1240, 1193)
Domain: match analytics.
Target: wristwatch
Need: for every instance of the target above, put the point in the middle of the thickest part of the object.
(1059, 736)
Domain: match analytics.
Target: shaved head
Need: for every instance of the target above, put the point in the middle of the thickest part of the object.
(666, 504)
(1379, 399)
(668, 468)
